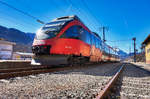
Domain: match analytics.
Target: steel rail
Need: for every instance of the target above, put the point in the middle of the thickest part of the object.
(104, 93)
(23, 69)
(30, 72)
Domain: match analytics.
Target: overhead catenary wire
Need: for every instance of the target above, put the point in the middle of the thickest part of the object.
(85, 4)
(12, 19)
(97, 21)
(8, 18)
(89, 14)
(25, 13)
(79, 11)
(57, 5)
(127, 40)
(72, 4)
(68, 9)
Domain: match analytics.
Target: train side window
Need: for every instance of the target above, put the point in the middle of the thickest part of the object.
(100, 44)
(91, 39)
(80, 30)
(104, 47)
(97, 43)
(107, 49)
(88, 37)
(72, 32)
(94, 40)
(82, 34)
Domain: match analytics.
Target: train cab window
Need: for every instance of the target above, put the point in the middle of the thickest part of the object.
(41, 34)
(49, 30)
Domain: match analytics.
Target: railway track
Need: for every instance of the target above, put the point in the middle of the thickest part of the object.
(15, 72)
(9, 73)
(26, 71)
(81, 82)
(131, 83)
(119, 81)
(104, 93)
(135, 83)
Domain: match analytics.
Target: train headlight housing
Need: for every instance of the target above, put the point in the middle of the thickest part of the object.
(41, 49)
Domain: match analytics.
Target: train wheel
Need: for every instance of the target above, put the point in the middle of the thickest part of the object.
(77, 60)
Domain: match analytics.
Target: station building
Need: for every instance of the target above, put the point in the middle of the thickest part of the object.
(146, 44)
(6, 49)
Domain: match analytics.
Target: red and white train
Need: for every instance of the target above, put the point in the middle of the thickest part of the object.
(66, 40)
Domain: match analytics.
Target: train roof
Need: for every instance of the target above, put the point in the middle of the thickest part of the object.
(72, 17)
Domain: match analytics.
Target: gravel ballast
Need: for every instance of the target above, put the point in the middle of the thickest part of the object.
(77, 83)
(134, 83)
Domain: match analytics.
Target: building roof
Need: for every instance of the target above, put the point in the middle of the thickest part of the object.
(23, 53)
(7, 42)
(146, 40)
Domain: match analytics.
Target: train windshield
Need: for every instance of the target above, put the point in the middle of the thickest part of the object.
(49, 30)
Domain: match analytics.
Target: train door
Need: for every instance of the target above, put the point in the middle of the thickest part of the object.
(93, 48)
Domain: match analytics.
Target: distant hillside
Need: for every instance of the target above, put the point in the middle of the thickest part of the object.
(23, 40)
(15, 35)
(122, 54)
(140, 57)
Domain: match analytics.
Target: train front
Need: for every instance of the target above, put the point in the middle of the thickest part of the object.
(44, 43)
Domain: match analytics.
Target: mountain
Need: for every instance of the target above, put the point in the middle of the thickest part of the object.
(140, 57)
(23, 40)
(122, 54)
(15, 35)
(31, 35)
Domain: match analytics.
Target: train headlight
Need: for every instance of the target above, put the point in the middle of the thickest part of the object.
(41, 50)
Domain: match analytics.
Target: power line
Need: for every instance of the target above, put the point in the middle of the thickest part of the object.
(57, 5)
(121, 40)
(68, 9)
(79, 10)
(27, 14)
(89, 14)
(74, 6)
(69, 2)
(95, 18)
(29, 7)
(84, 3)
(13, 19)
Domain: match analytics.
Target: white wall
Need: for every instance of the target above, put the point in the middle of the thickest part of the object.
(6, 51)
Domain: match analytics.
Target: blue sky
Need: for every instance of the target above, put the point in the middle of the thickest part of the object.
(125, 19)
